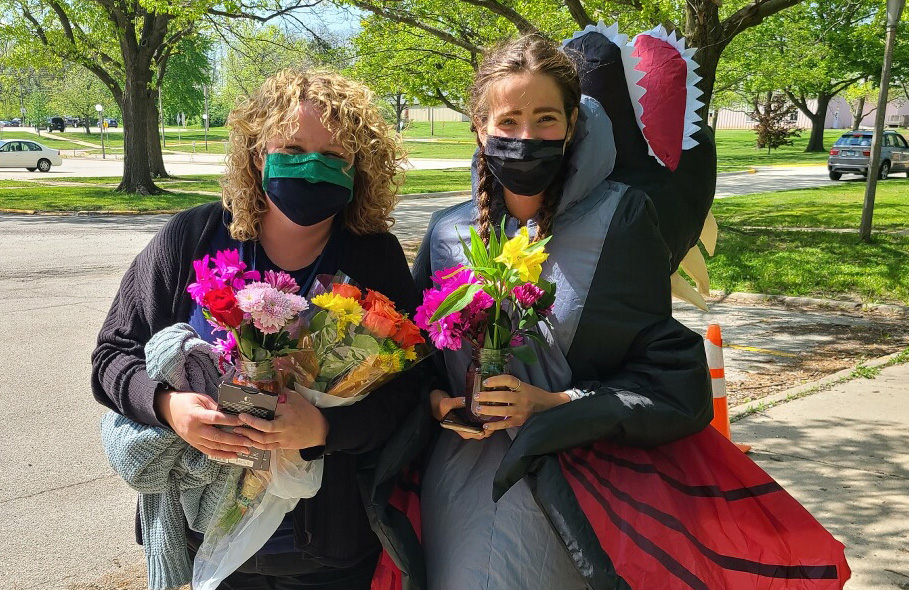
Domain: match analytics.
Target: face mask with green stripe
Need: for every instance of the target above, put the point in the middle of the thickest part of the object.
(308, 188)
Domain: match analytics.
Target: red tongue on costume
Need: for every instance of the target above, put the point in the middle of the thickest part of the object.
(665, 97)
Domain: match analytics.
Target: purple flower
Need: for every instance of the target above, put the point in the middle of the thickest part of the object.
(281, 281)
(225, 347)
(516, 340)
(527, 295)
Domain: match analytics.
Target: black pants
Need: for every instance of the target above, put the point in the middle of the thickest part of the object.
(356, 577)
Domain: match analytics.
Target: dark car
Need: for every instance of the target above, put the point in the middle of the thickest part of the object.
(851, 154)
(56, 124)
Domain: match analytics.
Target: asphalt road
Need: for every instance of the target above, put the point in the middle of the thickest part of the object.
(64, 517)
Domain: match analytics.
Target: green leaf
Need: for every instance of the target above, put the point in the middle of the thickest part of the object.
(478, 249)
(456, 301)
(524, 353)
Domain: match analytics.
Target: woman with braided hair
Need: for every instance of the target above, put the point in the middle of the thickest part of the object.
(616, 366)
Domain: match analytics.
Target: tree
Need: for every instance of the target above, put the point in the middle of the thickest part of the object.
(250, 52)
(76, 92)
(127, 45)
(774, 126)
(464, 27)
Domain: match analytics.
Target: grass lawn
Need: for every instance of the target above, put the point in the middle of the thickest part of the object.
(838, 206)
(97, 194)
(812, 264)
(91, 198)
(822, 264)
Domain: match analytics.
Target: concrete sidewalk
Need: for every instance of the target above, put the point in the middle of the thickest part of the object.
(843, 454)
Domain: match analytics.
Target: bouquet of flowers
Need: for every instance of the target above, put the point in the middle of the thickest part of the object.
(495, 303)
(356, 341)
(345, 346)
(260, 317)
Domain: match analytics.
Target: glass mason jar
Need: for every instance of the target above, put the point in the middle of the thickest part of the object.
(258, 374)
(484, 363)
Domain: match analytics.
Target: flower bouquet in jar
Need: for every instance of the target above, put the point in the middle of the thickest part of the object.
(495, 304)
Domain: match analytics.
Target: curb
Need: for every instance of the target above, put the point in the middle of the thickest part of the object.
(87, 213)
(790, 301)
(410, 196)
(793, 393)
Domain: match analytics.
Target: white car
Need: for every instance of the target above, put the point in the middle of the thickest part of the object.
(31, 155)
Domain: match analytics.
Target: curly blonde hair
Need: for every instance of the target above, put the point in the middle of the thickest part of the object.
(348, 111)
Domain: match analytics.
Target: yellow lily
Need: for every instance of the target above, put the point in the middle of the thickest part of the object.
(515, 256)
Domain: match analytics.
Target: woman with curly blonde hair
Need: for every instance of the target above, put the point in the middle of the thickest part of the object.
(309, 189)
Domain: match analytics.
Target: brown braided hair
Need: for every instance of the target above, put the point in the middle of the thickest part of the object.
(531, 54)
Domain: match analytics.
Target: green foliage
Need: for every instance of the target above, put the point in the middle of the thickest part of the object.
(188, 72)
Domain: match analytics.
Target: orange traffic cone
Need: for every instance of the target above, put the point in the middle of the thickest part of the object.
(714, 348)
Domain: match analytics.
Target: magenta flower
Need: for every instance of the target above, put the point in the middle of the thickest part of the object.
(444, 333)
(527, 295)
(225, 347)
(281, 281)
(232, 270)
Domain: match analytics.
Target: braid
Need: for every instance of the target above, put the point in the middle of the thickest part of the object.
(485, 197)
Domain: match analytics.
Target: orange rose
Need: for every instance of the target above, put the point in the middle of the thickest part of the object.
(380, 325)
(408, 334)
(374, 299)
(345, 290)
(381, 317)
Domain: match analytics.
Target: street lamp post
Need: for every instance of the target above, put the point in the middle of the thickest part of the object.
(205, 116)
(100, 110)
(894, 9)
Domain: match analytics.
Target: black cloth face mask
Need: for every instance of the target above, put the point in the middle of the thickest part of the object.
(524, 166)
(307, 188)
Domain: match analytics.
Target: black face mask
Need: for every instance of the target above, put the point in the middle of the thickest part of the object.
(524, 166)
(307, 188)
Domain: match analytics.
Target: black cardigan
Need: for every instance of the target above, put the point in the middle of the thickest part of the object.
(331, 527)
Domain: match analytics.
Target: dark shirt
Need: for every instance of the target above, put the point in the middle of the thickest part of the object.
(331, 528)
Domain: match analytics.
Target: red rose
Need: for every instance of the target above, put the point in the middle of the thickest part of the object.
(345, 290)
(408, 334)
(222, 304)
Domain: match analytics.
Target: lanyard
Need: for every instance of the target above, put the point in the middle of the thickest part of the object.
(307, 284)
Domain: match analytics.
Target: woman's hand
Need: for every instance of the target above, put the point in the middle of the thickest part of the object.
(195, 417)
(297, 425)
(442, 403)
(522, 399)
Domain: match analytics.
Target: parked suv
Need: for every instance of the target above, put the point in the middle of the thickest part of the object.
(851, 154)
(56, 124)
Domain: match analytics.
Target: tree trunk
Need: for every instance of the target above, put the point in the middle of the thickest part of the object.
(714, 119)
(137, 108)
(155, 156)
(818, 118)
(859, 113)
(704, 31)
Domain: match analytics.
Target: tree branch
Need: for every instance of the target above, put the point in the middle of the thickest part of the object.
(580, 16)
(751, 15)
(448, 103)
(523, 25)
(260, 18)
(408, 20)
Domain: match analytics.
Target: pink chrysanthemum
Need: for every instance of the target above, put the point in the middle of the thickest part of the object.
(281, 281)
(269, 308)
